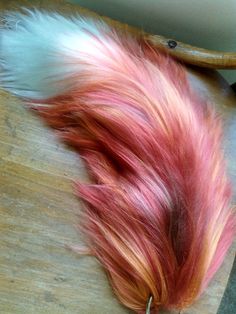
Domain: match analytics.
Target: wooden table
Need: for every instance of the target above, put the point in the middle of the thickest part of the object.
(38, 212)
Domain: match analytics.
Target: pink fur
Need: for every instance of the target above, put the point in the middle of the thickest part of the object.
(158, 213)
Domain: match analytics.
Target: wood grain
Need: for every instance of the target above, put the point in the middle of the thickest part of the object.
(37, 219)
(38, 210)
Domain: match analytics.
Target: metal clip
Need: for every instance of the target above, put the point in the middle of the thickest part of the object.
(149, 303)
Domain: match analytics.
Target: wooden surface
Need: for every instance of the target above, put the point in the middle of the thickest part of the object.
(195, 55)
(38, 212)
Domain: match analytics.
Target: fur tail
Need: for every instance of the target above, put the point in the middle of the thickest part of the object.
(158, 213)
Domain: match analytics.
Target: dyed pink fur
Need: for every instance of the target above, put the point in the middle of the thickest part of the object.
(158, 213)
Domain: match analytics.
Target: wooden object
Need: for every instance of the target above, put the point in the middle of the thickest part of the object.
(194, 55)
(38, 210)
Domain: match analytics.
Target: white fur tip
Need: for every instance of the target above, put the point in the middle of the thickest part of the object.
(36, 49)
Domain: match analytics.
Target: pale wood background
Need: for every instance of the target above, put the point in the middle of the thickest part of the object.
(38, 210)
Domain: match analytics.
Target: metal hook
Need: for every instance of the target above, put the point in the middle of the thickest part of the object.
(149, 303)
